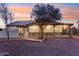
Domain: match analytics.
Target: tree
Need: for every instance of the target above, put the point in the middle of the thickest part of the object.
(6, 16)
(44, 14)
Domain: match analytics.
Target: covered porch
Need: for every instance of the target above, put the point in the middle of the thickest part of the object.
(30, 29)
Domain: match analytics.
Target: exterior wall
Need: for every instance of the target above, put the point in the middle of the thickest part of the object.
(13, 33)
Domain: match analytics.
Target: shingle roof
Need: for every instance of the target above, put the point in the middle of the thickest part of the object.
(21, 23)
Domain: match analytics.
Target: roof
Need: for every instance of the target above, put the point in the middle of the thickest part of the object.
(69, 21)
(28, 23)
(55, 23)
(21, 23)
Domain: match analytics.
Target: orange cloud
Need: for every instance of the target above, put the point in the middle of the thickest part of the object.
(21, 13)
(20, 9)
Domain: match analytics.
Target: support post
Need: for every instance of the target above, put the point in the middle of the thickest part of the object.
(54, 30)
(70, 31)
(62, 30)
(28, 32)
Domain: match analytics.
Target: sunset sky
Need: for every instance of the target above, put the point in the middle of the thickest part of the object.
(21, 11)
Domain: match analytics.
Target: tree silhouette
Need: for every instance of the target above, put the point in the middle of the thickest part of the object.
(44, 14)
(6, 16)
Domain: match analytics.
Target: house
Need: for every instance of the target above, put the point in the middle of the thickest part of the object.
(31, 28)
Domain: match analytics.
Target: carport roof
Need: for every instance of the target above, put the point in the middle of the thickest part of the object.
(28, 23)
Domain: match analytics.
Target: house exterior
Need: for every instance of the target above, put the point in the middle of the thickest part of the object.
(31, 29)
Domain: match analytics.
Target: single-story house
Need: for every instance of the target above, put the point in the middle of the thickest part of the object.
(31, 29)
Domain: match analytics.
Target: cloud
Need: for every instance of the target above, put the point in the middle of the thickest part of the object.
(22, 15)
(20, 9)
(68, 12)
